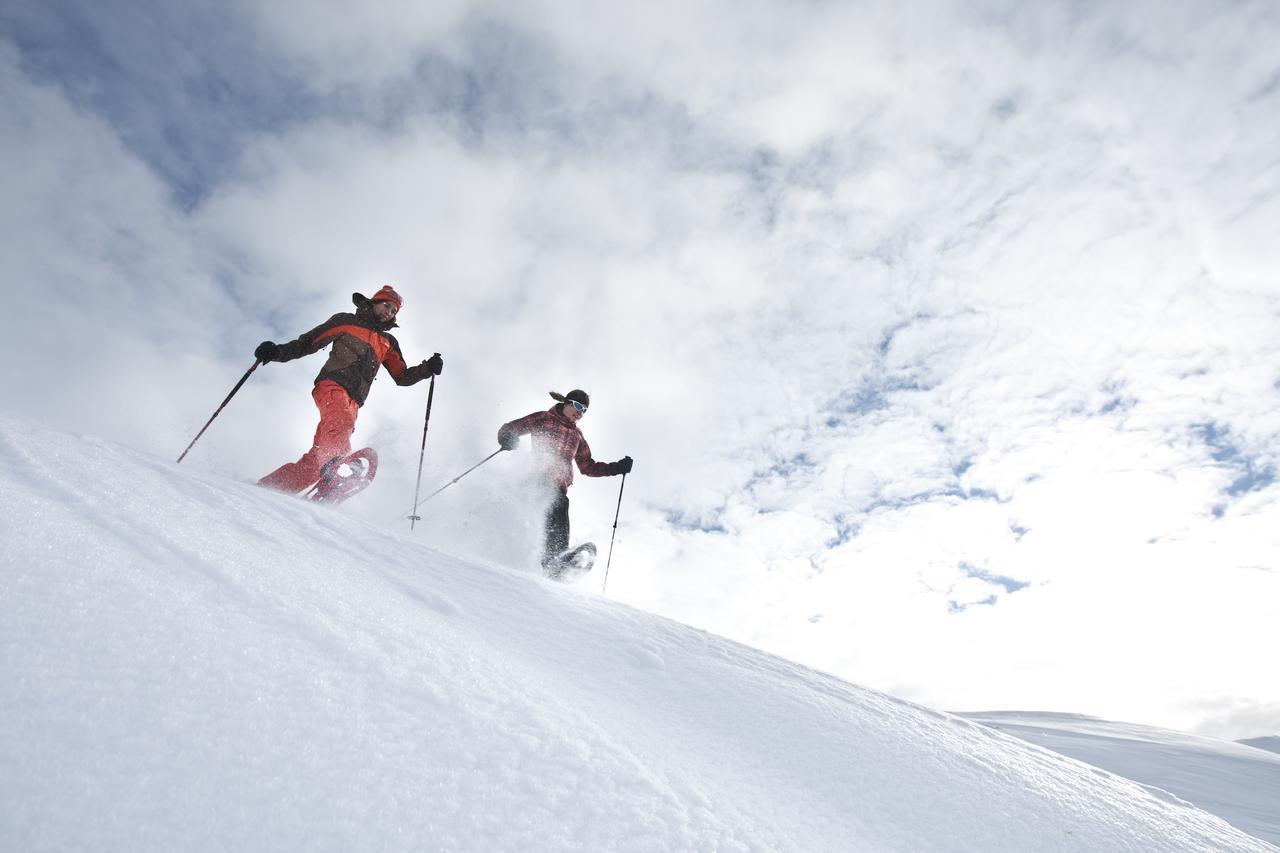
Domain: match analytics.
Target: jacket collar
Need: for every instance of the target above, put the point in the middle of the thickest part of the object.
(558, 414)
(364, 313)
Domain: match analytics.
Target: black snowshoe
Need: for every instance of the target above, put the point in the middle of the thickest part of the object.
(344, 476)
(572, 564)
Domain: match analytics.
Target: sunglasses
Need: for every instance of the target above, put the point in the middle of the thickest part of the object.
(578, 406)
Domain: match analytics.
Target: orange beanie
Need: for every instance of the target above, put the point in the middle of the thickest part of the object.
(388, 294)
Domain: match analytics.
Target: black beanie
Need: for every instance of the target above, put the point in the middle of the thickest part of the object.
(576, 394)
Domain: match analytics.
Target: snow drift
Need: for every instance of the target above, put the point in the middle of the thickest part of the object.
(1234, 781)
(1271, 743)
(193, 663)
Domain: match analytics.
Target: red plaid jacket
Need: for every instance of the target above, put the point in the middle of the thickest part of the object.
(557, 444)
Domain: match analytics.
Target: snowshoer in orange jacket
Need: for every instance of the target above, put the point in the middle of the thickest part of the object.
(361, 344)
(557, 445)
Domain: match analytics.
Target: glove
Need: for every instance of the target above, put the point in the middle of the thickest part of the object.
(266, 351)
(622, 466)
(509, 441)
(434, 365)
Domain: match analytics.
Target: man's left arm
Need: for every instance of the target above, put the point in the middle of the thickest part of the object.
(591, 468)
(394, 363)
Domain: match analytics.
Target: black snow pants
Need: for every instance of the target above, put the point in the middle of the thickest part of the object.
(557, 529)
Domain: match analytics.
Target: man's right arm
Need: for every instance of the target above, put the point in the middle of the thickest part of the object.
(510, 432)
(304, 344)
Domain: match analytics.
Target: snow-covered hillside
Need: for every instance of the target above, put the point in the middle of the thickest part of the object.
(1234, 781)
(1271, 743)
(196, 664)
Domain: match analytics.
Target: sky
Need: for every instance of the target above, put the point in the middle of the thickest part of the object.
(943, 335)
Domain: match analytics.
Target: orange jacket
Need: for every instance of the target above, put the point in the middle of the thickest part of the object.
(360, 346)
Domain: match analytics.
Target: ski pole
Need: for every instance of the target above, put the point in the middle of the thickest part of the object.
(431, 392)
(460, 476)
(219, 410)
(615, 533)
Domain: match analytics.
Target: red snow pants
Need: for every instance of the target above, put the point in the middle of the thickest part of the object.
(333, 438)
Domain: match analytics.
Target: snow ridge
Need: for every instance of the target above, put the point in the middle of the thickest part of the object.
(1233, 781)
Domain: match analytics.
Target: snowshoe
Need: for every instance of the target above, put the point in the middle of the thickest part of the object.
(571, 564)
(344, 476)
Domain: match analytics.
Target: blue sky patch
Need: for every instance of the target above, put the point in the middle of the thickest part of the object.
(682, 520)
(957, 607)
(1005, 582)
(1251, 474)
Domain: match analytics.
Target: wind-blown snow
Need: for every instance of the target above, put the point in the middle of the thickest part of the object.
(1237, 783)
(193, 663)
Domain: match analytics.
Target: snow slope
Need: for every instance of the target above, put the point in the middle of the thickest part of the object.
(1271, 743)
(192, 663)
(1237, 783)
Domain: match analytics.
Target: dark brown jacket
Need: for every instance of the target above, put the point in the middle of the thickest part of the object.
(360, 345)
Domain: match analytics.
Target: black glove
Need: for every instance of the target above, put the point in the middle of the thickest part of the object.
(622, 466)
(434, 365)
(508, 441)
(266, 351)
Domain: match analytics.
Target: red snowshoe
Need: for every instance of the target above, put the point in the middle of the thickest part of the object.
(344, 476)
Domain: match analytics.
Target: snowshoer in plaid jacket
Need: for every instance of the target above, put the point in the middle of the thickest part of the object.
(361, 344)
(557, 445)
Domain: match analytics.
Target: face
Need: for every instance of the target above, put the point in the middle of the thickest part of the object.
(572, 413)
(384, 311)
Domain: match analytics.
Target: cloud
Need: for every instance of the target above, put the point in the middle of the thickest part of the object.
(112, 308)
(161, 79)
(1236, 720)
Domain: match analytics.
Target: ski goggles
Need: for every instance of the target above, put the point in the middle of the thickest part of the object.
(581, 408)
